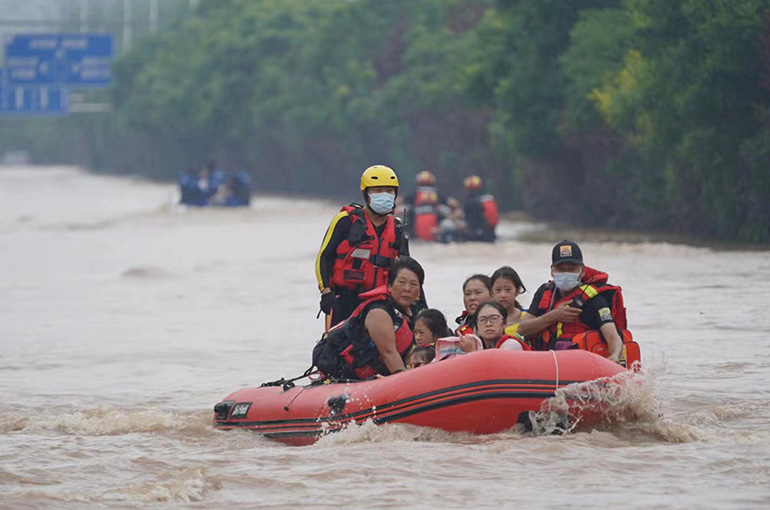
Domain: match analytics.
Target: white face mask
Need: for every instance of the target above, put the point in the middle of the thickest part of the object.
(382, 203)
(565, 282)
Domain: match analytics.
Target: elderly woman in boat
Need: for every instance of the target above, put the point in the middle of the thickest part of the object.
(377, 338)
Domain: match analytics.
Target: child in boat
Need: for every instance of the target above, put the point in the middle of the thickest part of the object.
(506, 287)
(421, 355)
(429, 326)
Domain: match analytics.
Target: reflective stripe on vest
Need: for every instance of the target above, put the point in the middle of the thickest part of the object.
(561, 330)
(590, 292)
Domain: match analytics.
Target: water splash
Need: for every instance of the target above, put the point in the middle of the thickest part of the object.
(626, 405)
(370, 432)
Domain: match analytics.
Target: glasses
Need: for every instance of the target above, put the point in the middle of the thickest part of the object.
(490, 319)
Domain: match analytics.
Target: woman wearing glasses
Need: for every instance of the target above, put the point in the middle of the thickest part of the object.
(490, 325)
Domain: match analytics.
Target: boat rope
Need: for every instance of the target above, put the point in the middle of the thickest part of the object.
(286, 407)
(287, 384)
(556, 363)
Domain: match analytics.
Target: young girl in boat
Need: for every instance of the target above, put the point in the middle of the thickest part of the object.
(506, 286)
(490, 325)
(429, 326)
(421, 355)
(476, 290)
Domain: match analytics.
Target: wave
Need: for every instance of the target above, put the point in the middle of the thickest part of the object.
(185, 485)
(146, 272)
(107, 421)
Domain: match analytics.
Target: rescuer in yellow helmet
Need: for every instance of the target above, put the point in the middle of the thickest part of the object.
(359, 245)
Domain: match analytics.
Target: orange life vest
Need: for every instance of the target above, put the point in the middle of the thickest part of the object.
(363, 258)
(349, 342)
(592, 341)
(425, 213)
(491, 214)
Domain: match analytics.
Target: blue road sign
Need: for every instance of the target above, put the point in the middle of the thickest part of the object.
(23, 101)
(81, 60)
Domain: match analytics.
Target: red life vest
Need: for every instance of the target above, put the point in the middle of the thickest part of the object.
(594, 283)
(491, 214)
(425, 195)
(363, 258)
(425, 213)
(504, 338)
(465, 327)
(356, 351)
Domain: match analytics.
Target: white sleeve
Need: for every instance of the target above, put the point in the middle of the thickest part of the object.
(512, 345)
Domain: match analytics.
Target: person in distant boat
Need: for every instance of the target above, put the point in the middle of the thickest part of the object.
(240, 186)
(217, 178)
(481, 214)
(429, 326)
(490, 326)
(476, 291)
(377, 338)
(452, 221)
(191, 194)
(359, 245)
(506, 287)
(577, 300)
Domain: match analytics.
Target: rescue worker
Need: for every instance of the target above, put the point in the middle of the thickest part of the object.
(481, 214)
(240, 184)
(577, 300)
(425, 207)
(377, 338)
(191, 193)
(359, 245)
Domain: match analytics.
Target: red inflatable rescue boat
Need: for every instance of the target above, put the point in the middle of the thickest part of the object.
(480, 393)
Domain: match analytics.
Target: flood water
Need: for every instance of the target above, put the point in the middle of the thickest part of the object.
(124, 319)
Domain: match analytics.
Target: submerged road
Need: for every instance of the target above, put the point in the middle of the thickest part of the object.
(124, 318)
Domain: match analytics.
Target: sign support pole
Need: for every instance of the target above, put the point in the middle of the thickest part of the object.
(127, 24)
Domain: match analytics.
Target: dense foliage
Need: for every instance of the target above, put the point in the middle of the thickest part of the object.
(625, 113)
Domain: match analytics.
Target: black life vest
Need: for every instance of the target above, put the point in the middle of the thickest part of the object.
(348, 352)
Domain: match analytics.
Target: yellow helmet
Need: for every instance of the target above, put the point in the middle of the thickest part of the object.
(378, 175)
(473, 182)
(425, 178)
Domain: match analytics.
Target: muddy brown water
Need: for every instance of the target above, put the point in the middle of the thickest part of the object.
(124, 318)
